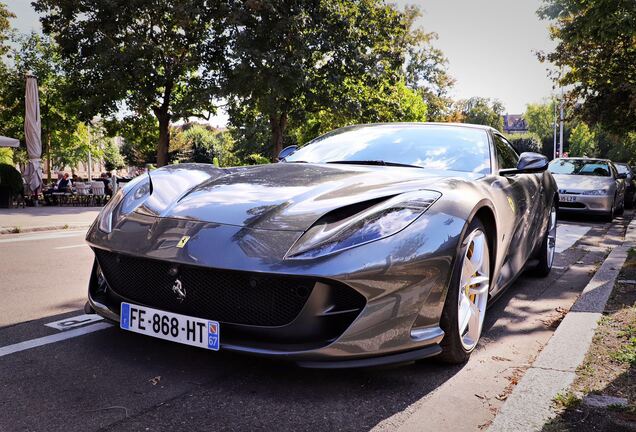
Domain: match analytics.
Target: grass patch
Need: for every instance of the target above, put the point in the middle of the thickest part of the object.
(566, 400)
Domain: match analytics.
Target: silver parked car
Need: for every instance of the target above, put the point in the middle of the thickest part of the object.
(589, 186)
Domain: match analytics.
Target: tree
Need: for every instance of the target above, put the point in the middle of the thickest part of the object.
(5, 29)
(37, 54)
(302, 55)
(427, 69)
(597, 52)
(582, 141)
(140, 136)
(540, 120)
(77, 145)
(158, 57)
(113, 159)
(479, 110)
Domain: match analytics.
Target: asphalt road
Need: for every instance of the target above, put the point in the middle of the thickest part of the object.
(97, 377)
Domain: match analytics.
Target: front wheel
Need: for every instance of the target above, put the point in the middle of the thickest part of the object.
(609, 217)
(548, 246)
(465, 307)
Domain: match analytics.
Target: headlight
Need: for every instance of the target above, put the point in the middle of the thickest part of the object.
(106, 215)
(130, 196)
(595, 192)
(337, 230)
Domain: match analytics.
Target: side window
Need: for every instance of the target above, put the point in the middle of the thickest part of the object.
(614, 171)
(506, 156)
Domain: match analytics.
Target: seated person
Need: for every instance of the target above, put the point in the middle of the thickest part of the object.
(49, 198)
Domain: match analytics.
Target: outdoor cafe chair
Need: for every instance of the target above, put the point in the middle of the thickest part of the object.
(99, 192)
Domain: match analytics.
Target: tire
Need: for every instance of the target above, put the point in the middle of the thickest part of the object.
(456, 347)
(547, 251)
(609, 217)
(621, 209)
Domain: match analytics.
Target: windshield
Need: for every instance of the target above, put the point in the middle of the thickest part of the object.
(589, 167)
(426, 146)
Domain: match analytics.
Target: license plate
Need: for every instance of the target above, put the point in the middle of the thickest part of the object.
(567, 198)
(170, 326)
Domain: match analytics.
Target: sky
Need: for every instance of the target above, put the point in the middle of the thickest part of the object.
(490, 46)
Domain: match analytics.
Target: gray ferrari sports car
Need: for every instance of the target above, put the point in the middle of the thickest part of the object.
(372, 244)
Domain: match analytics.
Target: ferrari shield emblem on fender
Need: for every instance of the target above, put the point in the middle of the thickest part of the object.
(511, 203)
(183, 241)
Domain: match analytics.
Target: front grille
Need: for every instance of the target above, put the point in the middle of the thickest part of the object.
(563, 204)
(221, 295)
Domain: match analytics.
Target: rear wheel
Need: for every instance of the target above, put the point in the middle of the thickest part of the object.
(546, 254)
(465, 307)
(621, 209)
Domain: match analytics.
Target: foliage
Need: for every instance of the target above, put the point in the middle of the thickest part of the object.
(582, 141)
(257, 159)
(623, 149)
(11, 178)
(5, 28)
(113, 159)
(6, 156)
(527, 142)
(251, 131)
(597, 52)
(540, 120)
(158, 57)
(37, 54)
(294, 58)
(140, 136)
(204, 145)
(426, 69)
(77, 145)
(479, 110)
(390, 103)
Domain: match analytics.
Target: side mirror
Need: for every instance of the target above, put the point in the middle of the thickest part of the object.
(287, 151)
(529, 163)
(621, 176)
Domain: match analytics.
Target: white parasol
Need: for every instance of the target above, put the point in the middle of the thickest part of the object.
(32, 134)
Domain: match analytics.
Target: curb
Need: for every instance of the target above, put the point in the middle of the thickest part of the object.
(18, 230)
(529, 406)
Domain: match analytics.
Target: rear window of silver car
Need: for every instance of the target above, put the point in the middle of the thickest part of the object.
(580, 167)
(427, 146)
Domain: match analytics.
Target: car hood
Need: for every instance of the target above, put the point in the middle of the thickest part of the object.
(581, 182)
(287, 196)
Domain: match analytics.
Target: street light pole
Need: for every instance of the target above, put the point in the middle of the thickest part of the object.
(554, 124)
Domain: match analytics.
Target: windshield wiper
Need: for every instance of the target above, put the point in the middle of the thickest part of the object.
(374, 162)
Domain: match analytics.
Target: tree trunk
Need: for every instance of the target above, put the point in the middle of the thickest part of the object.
(278, 125)
(164, 137)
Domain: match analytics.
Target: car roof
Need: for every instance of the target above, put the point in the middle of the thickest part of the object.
(463, 125)
(585, 158)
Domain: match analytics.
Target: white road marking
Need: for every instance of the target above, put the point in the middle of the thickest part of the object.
(34, 343)
(71, 247)
(72, 322)
(567, 235)
(43, 236)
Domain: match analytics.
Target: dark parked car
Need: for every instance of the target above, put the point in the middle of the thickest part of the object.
(372, 244)
(630, 183)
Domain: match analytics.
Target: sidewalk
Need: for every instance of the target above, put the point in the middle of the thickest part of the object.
(46, 218)
(530, 405)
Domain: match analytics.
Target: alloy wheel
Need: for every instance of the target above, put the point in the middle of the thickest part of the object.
(473, 289)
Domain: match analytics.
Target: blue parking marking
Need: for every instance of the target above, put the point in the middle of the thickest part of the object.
(125, 316)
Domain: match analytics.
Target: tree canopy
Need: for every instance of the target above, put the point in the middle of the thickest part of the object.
(158, 57)
(479, 110)
(597, 53)
(329, 62)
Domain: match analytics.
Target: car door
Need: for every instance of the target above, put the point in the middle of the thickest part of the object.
(522, 193)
